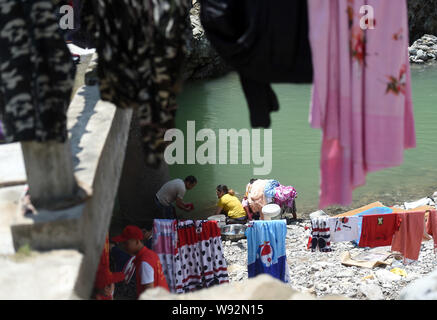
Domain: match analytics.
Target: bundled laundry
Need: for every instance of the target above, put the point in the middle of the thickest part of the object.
(262, 192)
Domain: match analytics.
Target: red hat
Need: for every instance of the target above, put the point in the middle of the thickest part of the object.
(130, 232)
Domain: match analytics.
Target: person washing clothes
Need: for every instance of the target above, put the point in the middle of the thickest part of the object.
(172, 192)
(230, 205)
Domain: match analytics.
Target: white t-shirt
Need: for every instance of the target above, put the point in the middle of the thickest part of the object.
(147, 273)
(170, 191)
(344, 228)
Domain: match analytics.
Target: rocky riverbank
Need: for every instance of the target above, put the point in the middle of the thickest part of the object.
(322, 273)
(423, 50)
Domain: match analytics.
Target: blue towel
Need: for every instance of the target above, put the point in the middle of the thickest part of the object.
(266, 249)
(372, 211)
(269, 189)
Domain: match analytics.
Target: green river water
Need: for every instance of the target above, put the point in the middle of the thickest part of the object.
(220, 104)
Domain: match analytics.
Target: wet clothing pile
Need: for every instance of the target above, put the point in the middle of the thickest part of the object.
(141, 48)
(36, 72)
(262, 192)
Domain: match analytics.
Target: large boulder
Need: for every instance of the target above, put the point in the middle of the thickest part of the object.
(421, 289)
(261, 287)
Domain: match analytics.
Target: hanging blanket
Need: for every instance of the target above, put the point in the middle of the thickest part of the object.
(164, 244)
(266, 249)
(198, 259)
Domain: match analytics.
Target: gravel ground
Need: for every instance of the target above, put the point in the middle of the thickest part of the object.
(321, 273)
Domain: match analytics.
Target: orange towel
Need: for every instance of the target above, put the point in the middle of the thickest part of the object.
(431, 226)
(408, 238)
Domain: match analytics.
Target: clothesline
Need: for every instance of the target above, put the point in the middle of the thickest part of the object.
(403, 231)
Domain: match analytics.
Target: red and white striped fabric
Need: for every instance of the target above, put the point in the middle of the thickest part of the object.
(198, 259)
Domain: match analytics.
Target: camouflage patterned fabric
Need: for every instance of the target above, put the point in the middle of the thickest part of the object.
(141, 46)
(36, 72)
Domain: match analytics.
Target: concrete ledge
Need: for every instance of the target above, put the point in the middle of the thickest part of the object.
(98, 135)
(39, 276)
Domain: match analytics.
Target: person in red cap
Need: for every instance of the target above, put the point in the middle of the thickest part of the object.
(149, 273)
(105, 279)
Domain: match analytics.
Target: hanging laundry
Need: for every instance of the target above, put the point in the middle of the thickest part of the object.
(368, 212)
(408, 239)
(279, 53)
(164, 244)
(378, 230)
(36, 74)
(266, 249)
(320, 234)
(431, 226)
(344, 228)
(361, 96)
(198, 261)
(141, 47)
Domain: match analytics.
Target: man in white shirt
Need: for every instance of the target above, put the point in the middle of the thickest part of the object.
(172, 192)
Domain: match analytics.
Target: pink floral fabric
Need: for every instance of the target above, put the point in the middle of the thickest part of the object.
(285, 195)
(361, 98)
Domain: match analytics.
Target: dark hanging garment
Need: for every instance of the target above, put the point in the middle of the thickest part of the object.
(141, 48)
(266, 42)
(36, 72)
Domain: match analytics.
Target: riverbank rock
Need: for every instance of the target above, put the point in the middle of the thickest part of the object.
(423, 50)
(322, 274)
(262, 287)
(422, 289)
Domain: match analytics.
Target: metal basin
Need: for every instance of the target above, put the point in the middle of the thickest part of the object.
(233, 232)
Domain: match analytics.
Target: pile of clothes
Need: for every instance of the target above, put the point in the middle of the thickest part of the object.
(262, 192)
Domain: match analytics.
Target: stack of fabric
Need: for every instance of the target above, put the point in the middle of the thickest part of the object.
(262, 192)
(191, 254)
